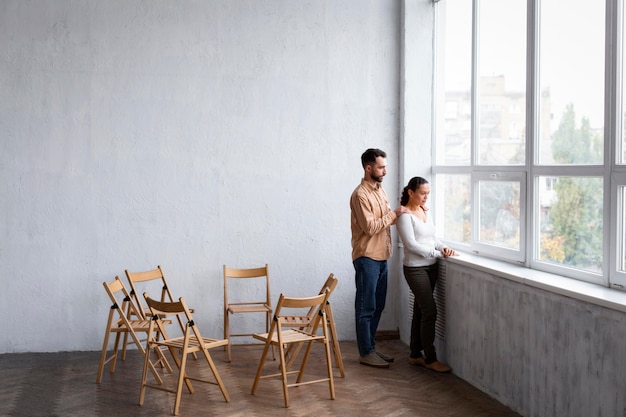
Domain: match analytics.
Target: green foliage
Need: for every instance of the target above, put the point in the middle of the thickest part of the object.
(572, 145)
(577, 214)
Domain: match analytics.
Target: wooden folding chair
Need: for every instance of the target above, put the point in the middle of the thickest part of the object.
(297, 320)
(191, 342)
(255, 298)
(123, 321)
(292, 353)
(153, 279)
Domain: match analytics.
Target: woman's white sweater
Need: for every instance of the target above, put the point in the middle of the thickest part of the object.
(421, 245)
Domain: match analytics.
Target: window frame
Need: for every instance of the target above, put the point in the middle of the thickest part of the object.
(612, 172)
(494, 251)
(618, 233)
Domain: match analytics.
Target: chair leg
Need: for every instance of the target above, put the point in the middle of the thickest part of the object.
(116, 349)
(181, 377)
(335, 341)
(103, 355)
(227, 335)
(292, 353)
(144, 376)
(216, 374)
(182, 328)
(268, 320)
(178, 362)
(329, 368)
(283, 371)
(146, 354)
(162, 360)
(260, 368)
(124, 345)
(305, 359)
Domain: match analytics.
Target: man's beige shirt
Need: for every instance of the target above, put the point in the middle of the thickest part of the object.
(370, 219)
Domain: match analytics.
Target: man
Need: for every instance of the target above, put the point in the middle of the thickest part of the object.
(370, 220)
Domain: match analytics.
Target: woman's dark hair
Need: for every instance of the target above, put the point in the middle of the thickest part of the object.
(370, 155)
(414, 184)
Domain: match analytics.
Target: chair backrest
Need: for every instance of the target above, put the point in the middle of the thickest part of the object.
(330, 283)
(162, 308)
(148, 280)
(305, 314)
(127, 308)
(259, 276)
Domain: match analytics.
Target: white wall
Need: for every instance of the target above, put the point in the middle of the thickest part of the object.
(416, 126)
(187, 134)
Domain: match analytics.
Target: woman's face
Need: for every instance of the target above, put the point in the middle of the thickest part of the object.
(419, 197)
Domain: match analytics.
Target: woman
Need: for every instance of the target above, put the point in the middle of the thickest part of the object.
(421, 252)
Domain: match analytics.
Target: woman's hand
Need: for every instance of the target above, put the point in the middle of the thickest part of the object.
(448, 252)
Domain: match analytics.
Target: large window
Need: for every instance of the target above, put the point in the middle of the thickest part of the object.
(522, 153)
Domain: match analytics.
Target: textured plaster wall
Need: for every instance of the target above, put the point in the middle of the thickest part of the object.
(188, 134)
(540, 353)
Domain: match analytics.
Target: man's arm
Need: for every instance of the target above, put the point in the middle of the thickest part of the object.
(369, 220)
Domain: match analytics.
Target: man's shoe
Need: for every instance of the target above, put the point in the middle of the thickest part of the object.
(438, 367)
(372, 359)
(384, 357)
(420, 361)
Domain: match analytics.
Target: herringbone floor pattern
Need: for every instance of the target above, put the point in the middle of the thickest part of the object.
(63, 384)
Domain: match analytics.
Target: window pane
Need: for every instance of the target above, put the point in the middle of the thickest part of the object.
(570, 221)
(453, 204)
(571, 82)
(454, 124)
(499, 213)
(502, 87)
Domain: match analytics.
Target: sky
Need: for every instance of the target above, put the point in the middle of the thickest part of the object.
(572, 50)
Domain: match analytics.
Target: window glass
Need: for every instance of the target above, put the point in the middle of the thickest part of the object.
(482, 196)
(453, 203)
(502, 82)
(571, 76)
(454, 119)
(499, 213)
(570, 211)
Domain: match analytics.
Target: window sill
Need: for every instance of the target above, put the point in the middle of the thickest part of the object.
(579, 290)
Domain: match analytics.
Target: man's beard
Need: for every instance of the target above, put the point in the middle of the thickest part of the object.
(377, 179)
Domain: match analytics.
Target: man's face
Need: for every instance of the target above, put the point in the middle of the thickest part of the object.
(378, 170)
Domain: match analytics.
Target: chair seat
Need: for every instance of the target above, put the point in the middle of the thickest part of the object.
(136, 325)
(248, 308)
(193, 344)
(288, 336)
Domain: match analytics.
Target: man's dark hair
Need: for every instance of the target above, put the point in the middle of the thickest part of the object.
(370, 155)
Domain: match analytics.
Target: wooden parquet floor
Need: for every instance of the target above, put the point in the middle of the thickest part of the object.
(63, 384)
